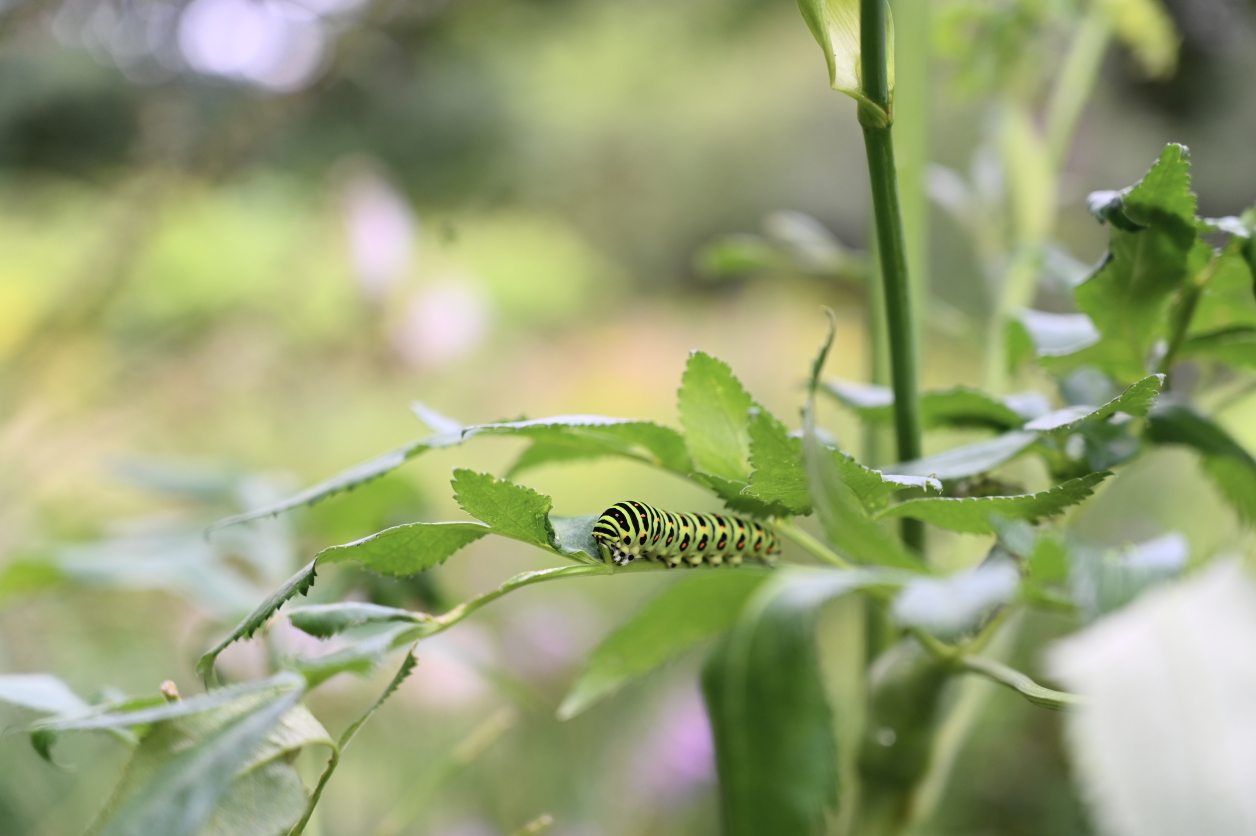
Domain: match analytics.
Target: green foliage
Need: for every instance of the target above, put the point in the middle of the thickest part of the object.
(1134, 401)
(715, 415)
(960, 406)
(509, 509)
(298, 584)
(39, 692)
(1229, 465)
(220, 771)
(774, 745)
(326, 620)
(969, 460)
(972, 514)
(686, 613)
(777, 477)
(407, 549)
(361, 657)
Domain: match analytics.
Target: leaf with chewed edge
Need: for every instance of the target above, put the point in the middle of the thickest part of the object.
(409, 549)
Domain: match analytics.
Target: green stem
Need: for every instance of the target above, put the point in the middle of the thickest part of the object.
(1076, 81)
(811, 545)
(891, 245)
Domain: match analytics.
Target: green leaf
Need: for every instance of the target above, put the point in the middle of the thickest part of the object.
(175, 789)
(347, 480)
(40, 692)
(960, 406)
(774, 741)
(739, 254)
(406, 550)
(573, 537)
(359, 658)
(873, 488)
(511, 510)
(1227, 300)
(778, 476)
(1233, 346)
(327, 620)
(839, 508)
(835, 25)
(298, 584)
(1225, 461)
(969, 460)
(972, 514)
(1128, 297)
(951, 606)
(715, 415)
(583, 437)
(1147, 30)
(1105, 580)
(686, 613)
(592, 434)
(1052, 334)
(1135, 401)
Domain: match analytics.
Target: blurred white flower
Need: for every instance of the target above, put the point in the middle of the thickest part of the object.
(275, 44)
(443, 322)
(381, 229)
(1165, 740)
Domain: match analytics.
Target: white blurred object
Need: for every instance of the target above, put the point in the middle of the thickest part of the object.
(275, 44)
(1165, 741)
(443, 322)
(381, 228)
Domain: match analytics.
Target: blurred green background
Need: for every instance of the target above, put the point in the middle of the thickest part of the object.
(237, 238)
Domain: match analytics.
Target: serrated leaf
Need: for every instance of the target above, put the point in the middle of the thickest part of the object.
(641, 440)
(952, 606)
(972, 514)
(1226, 462)
(835, 25)
(406, 550)
(969, 460)
(1136, 401)
(569, 440)
(40, 692)
(777, 474)
(327, 620)
(683, 615)
(734, 495)
(1128, 297)
(1227, 300)
(960, 406)
(874, 488)
(838, 507)
(176, 789)
(715, 415)
(298, 584)
(511, 510)
(774, 741)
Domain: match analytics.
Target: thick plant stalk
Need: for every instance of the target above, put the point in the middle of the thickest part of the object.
(891, 244)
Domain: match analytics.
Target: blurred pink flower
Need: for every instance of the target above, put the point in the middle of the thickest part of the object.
(443, 322)
(381, 229)
(678, 756)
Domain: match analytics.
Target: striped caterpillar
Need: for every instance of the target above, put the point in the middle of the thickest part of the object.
(628, 530)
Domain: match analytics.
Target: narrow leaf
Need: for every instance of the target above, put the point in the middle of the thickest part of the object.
(969, 460)
(298, 584)
(1226, 462)
(327, 620)
(685, 614)
(359, 658)
(955, 605)
(960, 406)
(774, 741)
(835, 25)
(1135, 401)
(972, 514)
(40, 692)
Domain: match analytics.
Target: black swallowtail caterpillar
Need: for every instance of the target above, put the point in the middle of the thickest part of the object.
(629, 530)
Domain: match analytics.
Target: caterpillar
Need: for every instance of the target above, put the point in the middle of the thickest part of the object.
(629, 530)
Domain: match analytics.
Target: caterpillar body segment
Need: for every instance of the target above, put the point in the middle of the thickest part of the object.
(630, 530)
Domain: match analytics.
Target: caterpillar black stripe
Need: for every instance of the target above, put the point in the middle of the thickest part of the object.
(629, 530)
